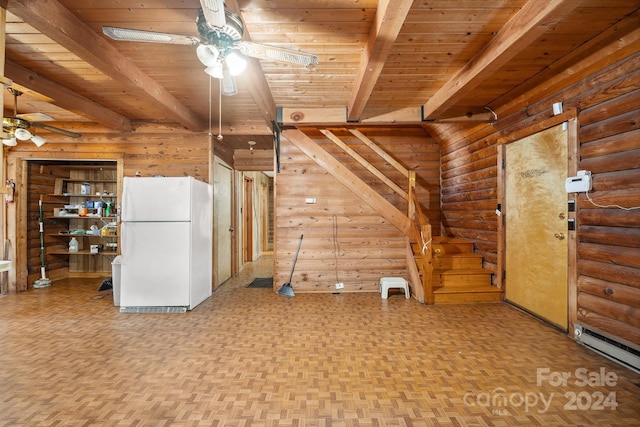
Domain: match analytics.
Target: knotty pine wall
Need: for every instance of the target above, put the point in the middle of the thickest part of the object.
(605, 91)
(150, 152)
(345, 240)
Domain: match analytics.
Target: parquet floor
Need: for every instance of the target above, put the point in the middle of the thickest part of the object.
(249, 357)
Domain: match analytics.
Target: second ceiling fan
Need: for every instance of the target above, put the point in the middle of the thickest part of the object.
(220, 47)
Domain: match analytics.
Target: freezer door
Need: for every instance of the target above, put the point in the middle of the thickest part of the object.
(155, 270)
(156, 199)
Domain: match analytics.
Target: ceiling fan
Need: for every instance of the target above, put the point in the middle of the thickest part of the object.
(18, 125)
(219, 45)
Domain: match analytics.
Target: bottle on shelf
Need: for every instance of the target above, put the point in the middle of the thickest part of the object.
(73, 245)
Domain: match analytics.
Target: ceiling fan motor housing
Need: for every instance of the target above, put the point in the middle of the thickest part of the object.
(15, 123)
(223, 38)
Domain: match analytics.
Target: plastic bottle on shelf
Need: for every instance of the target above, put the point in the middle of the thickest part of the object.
(73, 245)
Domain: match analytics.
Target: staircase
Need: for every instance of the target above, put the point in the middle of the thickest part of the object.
(458, 276)
(441, 270)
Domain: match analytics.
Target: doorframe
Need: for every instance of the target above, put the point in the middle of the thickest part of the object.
(247, 220)
(571, 117)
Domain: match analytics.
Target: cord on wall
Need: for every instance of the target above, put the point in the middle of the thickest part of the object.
(610, 206)
(336, 246)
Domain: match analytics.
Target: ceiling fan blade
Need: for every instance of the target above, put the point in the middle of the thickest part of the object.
(214, 12)
(56, 130)
(131, 35)
(275, 53)
(228, 84)
(36, 117)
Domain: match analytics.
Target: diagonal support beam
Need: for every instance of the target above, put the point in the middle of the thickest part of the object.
(364, 163)
(51, 18)
(388, 21)
(65, 98)
(350, 180)
(523, 28)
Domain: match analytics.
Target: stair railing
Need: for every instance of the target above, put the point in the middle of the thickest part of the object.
(418, 232)
(422, 229)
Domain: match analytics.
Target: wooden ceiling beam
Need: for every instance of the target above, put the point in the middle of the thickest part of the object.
(254, 77)
(388, 21)
(62, 26)
(523, 28)
(64, 98)
(338, 116)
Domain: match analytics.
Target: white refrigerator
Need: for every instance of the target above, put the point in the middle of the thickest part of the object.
(166, 238)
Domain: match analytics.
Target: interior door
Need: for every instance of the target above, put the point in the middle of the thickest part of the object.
(536, 248)
(222, 222)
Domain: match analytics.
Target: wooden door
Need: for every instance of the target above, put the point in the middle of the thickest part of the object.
(223, 230)
(536, 225)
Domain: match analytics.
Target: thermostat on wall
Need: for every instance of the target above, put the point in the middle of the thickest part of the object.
(578, 183)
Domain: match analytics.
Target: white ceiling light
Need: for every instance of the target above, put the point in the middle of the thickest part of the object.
(208, 55)
(23, 134)
(11, 142)
(236, 62)
(215, 71)
(38, 140)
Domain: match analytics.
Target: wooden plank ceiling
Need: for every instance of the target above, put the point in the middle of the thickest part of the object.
(403, 60)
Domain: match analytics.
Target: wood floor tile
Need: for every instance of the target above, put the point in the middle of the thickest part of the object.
(251, 357)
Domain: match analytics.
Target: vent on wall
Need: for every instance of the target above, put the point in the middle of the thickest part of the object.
(616, 349)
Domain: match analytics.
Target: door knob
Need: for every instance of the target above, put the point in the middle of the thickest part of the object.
(559, 236)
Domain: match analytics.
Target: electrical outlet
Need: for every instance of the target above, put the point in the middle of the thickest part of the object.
(340, 285)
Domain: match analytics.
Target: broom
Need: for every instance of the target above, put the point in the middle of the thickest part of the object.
(286, 289)
(42, 282)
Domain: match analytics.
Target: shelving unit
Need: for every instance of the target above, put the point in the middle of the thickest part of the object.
(73, 209)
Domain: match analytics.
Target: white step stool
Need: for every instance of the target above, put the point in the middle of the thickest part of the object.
(393, 282)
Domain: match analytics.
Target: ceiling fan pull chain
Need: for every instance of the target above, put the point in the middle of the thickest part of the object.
(210, 132)
(220, 137)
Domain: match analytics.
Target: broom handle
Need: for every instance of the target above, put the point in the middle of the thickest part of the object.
(296, 258)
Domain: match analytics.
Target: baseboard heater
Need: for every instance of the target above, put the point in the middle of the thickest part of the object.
(609, 346)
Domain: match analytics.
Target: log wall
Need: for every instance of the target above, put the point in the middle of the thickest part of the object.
(345, 240)
(605, 93)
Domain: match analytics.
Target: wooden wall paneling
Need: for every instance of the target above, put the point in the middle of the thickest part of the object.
(609, 238)
(41, 185)
(606, 240)
(368, 246)
(253, 160)
(167, 153)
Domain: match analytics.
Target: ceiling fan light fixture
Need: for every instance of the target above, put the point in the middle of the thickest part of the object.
(23, 134)
(38, 140)
(208, 55)
(11, 142)
(215, 71)
(236, 62)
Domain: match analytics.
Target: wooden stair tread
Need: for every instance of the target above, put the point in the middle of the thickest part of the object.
(466, 290)
(461, 271)
(445, 239)
(458, 255)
